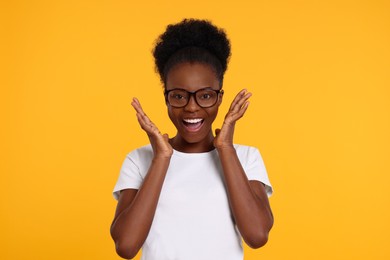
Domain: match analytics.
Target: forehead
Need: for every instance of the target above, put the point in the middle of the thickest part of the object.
(191, 77)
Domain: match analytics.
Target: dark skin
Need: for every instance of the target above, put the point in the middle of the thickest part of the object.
(248, 199)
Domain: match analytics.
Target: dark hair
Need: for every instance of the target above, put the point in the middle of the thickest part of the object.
(192, 40)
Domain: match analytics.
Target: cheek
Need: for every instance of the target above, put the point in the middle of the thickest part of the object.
(169, 112)
(213, 114)
(172, 115)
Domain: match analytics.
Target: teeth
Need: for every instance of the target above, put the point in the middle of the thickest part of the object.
(193, 121)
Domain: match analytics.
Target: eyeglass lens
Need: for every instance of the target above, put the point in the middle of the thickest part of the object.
(204, 97)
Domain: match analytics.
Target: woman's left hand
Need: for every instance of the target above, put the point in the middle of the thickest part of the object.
(224, 136)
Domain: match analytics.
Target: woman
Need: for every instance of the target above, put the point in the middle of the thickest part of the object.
(193, 196)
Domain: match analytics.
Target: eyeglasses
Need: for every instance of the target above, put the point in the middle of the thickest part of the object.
(204, 97)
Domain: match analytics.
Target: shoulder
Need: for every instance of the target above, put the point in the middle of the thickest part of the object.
(253, 165)
(245, 150)
(247, 154)
(141, 154)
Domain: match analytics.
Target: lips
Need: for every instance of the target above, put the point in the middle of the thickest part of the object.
(193, 124)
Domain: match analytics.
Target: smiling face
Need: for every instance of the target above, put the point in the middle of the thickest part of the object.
(193, 123)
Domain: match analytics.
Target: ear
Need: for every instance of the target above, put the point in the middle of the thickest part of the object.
(220, 98)
(165, 96)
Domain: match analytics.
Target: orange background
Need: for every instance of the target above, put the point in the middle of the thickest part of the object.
(320, 115)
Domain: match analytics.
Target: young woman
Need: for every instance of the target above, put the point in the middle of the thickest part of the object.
(193, 196)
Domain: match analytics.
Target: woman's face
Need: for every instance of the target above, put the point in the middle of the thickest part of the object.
(193, 123)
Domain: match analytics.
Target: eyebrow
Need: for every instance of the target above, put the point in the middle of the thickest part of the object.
(179, 88)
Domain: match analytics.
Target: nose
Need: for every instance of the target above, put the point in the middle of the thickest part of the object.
(191, 105)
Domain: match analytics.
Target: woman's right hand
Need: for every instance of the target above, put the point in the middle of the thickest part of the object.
(159, 142)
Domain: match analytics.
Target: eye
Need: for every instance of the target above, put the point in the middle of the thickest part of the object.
(177, 96)
(205, 96)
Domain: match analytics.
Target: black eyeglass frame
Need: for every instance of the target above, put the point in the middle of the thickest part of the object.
(219, 91)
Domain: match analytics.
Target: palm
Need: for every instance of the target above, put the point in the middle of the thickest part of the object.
(159, 142)
(224, 136)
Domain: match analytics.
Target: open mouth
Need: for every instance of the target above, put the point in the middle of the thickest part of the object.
(193, 124)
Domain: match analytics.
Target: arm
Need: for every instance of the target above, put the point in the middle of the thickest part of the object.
(136, 208)
(248, 199)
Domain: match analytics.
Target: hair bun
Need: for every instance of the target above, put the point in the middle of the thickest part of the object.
(191, 33)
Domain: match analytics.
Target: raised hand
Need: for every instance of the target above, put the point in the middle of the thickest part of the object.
(224, 136)
(159, 142)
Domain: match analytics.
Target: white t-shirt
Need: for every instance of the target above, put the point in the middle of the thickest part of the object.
(193, 219)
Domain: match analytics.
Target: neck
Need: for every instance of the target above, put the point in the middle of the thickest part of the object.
(181, 145)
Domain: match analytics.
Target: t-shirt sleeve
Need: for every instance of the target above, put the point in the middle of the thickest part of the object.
(129, 176)
(255, 169)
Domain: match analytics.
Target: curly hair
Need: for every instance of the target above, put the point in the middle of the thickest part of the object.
(192, 40)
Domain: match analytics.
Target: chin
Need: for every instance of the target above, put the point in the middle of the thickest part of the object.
(195, 138)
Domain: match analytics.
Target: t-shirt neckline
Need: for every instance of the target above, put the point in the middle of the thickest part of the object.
(202, 154)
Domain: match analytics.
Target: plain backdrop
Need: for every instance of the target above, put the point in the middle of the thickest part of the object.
(319, 72)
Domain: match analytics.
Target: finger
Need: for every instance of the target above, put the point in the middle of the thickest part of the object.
(137, 106)
(242, 101)
(135, 103)
(239, 101)
(150, 125)
(233, 117)
(147, 124)
(236, 98)
(242, 110)
(166, 137)
(217, 131)
(144, 125)
(236, 112)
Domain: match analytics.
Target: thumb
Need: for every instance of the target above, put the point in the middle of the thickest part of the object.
(166, 137)
(217, 131)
